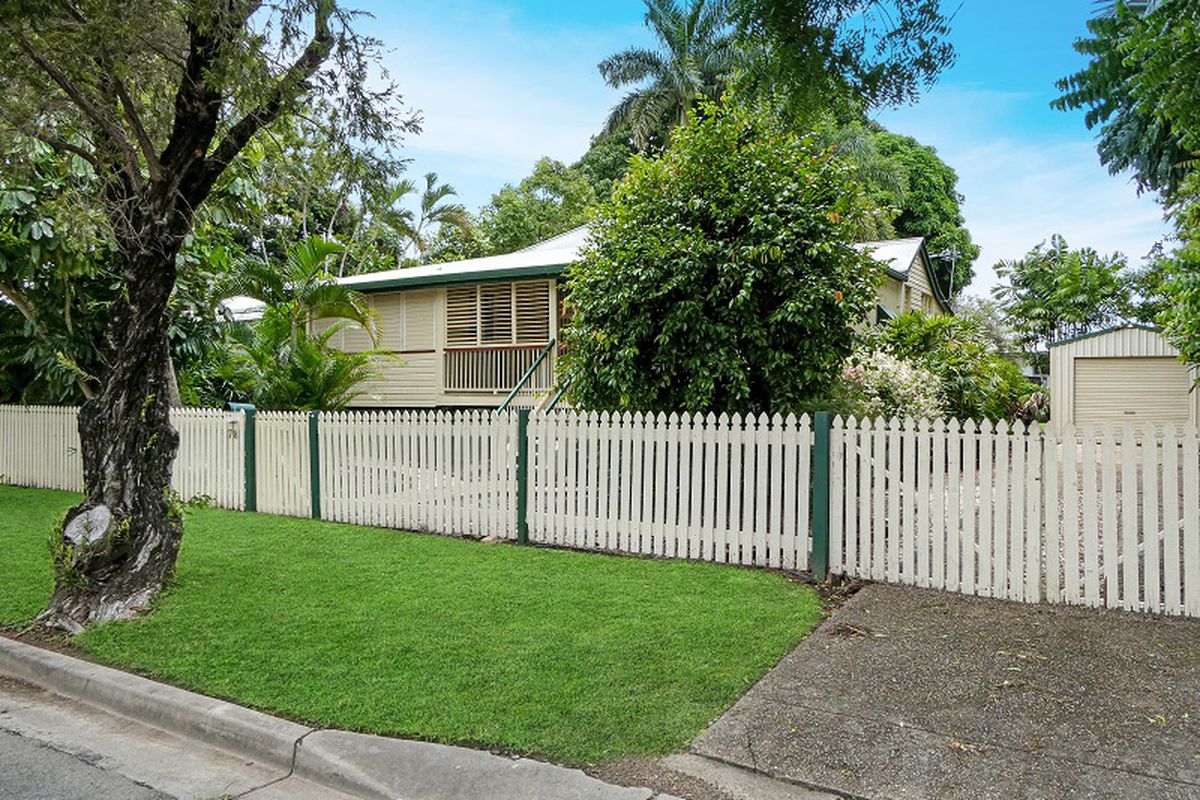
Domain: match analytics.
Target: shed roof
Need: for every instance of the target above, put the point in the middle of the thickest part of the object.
(1141, 326)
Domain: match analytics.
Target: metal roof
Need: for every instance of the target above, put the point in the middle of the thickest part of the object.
(548, 259)
(896, 255)
(1141, 326)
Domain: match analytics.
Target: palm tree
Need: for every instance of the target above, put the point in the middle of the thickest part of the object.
(304, 289)
(697, 54)
(415, 227)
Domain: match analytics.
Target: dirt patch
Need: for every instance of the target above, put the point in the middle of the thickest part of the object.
(653, 775)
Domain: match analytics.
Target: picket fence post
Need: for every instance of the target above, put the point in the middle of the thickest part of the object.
(822, 422)
(251, 456)
(523, 476)
(314, 461)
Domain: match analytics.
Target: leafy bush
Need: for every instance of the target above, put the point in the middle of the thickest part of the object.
(720, 276)
(975, 381)
(878, 384)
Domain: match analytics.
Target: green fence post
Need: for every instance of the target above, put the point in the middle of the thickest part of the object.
(822, 422)
(523, 476)
(314, 462)
(251, 465)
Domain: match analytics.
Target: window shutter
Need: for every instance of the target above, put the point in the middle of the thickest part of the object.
(496, 314)
(462, 317)
(533, 312)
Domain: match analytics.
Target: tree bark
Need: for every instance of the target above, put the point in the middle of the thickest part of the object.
(117, 548)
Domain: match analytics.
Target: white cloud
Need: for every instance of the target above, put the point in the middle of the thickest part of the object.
(1024, 179)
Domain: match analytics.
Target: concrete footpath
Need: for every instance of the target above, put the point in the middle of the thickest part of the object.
(911, 693)
(187, 745)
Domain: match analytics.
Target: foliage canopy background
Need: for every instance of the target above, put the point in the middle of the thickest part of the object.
(720, 275)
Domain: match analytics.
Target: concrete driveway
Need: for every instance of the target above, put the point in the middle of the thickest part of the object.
(913, 693)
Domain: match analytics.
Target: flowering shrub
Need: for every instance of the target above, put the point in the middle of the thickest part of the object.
(879, 384)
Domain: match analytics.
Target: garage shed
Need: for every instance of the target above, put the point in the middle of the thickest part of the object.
(1129, 373)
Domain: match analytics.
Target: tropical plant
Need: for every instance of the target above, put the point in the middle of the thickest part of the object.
(878, 384)
(822, 54)
(304, 289)
(696, 55)
(275, 367)
(929, 205)
(1055, 291)
(553, 199)
(720, 276)
(974, 381)
(414, 227)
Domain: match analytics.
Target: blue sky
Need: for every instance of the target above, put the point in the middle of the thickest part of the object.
(501, 83)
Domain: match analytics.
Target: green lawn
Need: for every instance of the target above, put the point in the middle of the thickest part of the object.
(574, 656)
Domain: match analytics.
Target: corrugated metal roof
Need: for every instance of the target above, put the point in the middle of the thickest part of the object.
(548, 258)
(895, 254)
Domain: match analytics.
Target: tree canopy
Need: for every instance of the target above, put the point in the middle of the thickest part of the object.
(720, 276)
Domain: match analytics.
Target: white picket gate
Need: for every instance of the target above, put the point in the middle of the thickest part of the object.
(1103, 517)
(727, 489)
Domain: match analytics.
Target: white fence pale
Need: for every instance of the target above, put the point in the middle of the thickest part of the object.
(723, 489)
(1104, 516)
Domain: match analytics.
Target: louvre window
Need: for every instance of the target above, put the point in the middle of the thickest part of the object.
(462, 316)
(498, 314)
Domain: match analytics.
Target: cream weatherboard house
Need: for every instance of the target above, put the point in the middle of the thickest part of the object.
(467, 333)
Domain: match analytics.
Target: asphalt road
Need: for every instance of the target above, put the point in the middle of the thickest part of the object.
(30, 770)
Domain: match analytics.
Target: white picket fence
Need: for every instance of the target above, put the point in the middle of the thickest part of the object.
(39, 447)
(1103, 516)
(726, 489)
(442, 472)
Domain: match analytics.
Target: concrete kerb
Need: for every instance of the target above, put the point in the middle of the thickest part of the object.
(215, 722)
(359, 764)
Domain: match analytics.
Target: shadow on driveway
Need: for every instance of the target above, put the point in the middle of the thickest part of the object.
(915, 693)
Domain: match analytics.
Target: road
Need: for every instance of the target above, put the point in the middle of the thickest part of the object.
(31, 770)
(52, 748)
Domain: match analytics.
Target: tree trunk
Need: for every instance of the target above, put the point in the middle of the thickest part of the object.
(117, 549)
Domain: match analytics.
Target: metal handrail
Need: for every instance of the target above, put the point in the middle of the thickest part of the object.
(566, 385)
(525, 378)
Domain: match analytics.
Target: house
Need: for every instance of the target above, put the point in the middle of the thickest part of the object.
(1125, 373)
(467, 333)
(909, 282)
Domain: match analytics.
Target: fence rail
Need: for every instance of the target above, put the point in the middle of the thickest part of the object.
(1098, 516)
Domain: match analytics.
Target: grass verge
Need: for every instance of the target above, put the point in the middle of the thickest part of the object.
(574, 656)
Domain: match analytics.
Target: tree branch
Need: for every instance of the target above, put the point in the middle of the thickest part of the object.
(113, 132)
(59, 143)
(139, 130)
(286, 90)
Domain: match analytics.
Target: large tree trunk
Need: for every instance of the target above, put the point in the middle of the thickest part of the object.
(118, 547)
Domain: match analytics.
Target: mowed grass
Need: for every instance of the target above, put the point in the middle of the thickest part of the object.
(27, 518)
(578, 657)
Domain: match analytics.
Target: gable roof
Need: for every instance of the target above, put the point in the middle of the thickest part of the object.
(548, 259)
(897, 257)
(1141, 326)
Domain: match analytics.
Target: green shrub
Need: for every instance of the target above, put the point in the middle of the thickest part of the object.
(720, 276)
(976, 382)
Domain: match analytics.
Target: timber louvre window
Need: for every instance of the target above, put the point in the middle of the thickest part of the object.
(498, 314)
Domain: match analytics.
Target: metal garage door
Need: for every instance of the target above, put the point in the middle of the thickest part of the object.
(1153, 389)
